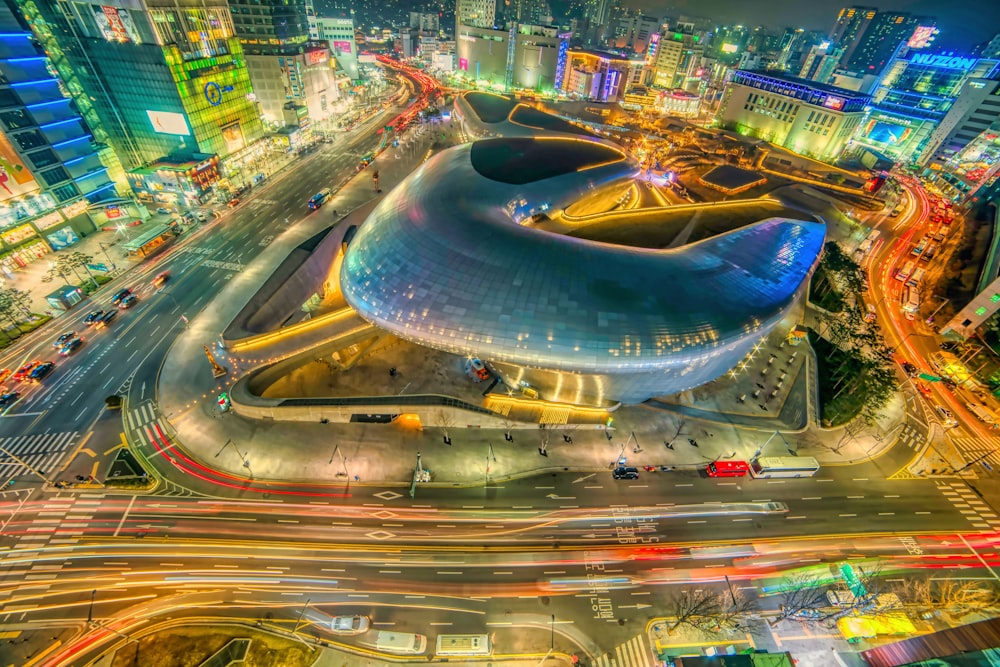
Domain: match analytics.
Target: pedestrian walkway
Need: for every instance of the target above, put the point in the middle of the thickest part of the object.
(979, 449)
(633, 653)
(42, 451)
(970, 505)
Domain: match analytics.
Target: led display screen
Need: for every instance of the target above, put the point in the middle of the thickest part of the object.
(885, 132)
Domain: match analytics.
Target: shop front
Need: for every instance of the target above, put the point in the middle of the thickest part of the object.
(177, 180)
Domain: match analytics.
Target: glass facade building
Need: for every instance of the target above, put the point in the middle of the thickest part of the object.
(50, 170)
(159, 76)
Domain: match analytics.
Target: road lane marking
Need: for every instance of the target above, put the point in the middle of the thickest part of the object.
(124, 516)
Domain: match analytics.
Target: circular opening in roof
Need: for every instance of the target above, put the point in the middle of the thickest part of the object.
(520, 161)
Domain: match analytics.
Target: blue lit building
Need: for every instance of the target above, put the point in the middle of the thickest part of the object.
(912, 99)
(49, 167)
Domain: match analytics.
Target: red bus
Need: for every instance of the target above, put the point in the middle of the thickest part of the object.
(728, 469)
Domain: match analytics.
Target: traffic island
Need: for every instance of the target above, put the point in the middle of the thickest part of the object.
(194, 646)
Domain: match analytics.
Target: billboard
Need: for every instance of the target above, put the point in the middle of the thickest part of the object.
(168, 122)
(729, 48)
(115, 24)
(886, 132)
(341, 46)
(15, 179)
(232, 134)
(833, 102)
(922, 37)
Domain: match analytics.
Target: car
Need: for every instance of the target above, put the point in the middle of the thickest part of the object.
(923, 389)
(8, 399)
(163, 210)
(65, 338)
(40, 371)
(128, 301)
(70, 347)
(947, 418)
(106, 320)
(233, 203)
(24, 370)
(625, 473)
(349, 625)
(5, 373)
(479, 369)
(202, 216)
(92, 317)
(909, 368)
(119, 295)
(161, 278)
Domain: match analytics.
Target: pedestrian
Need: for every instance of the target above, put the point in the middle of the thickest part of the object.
(357, 479)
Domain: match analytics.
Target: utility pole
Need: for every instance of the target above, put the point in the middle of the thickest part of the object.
(90, 610)
(295, 631)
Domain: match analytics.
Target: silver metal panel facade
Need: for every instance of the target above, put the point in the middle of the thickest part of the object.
(443, 262)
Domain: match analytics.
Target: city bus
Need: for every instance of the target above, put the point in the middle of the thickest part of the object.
(903, 273)
(764, 467)
(916, 277)
(461, 645)
(727, 469)
(319, 199)
(910, 302)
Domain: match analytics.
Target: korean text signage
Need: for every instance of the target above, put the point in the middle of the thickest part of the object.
(945, 62)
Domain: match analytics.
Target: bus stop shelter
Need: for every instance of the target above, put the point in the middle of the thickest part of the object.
(150, 241)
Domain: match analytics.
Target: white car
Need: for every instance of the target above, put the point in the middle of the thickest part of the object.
(349, 625)
(947, 418)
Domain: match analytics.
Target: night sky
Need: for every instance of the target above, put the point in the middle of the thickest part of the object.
(963, 23)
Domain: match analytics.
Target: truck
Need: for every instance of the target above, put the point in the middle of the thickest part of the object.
(982, 414)
(403, 643)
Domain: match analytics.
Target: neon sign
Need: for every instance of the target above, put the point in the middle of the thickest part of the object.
(944, 62)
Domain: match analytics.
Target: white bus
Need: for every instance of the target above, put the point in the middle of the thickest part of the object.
(400, 642)
(763, 467)
(910, 302)
(464, 645)
(915, 277)
(904, 273)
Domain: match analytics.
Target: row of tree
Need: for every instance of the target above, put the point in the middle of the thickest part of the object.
(70, 263)
(871, 372)
(804, 598)
(15, 308)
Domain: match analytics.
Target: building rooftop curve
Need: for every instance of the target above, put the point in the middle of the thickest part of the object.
(523, 160)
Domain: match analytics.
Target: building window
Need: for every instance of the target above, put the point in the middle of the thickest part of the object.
(53, 176)
(29, 140)
(65, 192)
(15, 119)
(43, 158)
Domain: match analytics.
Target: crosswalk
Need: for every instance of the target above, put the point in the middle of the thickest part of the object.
(910, 436)
(979, 449)
(42, 451)
(633, 653)
(970, 505)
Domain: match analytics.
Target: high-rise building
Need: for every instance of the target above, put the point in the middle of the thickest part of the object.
(338, 32)
(50, 170)
(475, 13)
(820, 62)
(852, 22)
(160, 76)
(527, 57)
(285, 68)
(534, 12)
(676, 55)
(881, 41)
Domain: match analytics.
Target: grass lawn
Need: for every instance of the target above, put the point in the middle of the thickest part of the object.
(9, 335)
(190, 646)
(830, 358)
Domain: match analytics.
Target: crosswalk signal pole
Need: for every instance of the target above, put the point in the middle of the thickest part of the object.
(27, 465)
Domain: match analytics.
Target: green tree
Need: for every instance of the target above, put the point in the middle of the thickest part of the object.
(9, 310)
(82, 259)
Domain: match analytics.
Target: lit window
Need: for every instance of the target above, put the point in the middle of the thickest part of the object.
(981, 310)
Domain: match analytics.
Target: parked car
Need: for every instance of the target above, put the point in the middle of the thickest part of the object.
(349, 625)
(625, 473)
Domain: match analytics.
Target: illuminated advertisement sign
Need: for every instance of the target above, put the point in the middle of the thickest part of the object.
(317, 57)
(463, 64)
(232, 134)
(835, 103)
(729, 48)
(341, 46)
(922, 37)
(886, 132)
(654, 43)
(115, 24)
(944, 62)
(168, 122)
(15, 179)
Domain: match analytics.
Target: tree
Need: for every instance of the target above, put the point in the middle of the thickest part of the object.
(952, 596)
(67, 265)
(82, 259)
(21, 299)
(803, 598)
(445, 420)
(692, 608)
(9, 310)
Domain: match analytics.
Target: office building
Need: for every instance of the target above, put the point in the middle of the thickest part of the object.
(339, 34)
(536, 60)
(852, 22)
(426, 22)
(50, 170)
(881, 40)
(807, 117)
(821, 61)
(913, 98)
(675, 57)
(597, 75)
(475, 13)
(157, 79)
(963, 153)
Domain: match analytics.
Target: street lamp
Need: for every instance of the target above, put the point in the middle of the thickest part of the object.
(552, 637)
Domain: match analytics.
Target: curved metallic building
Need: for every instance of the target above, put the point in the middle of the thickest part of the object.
(443, 262)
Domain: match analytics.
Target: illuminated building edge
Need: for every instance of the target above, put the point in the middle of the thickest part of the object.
(456, 272)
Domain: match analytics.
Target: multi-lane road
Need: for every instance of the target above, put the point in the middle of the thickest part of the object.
(583, 555)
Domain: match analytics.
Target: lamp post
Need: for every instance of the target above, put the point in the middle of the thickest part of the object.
(552, 634)
(298, 620)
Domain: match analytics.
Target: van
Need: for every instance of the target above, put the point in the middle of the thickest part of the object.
(625, 473)
(403, 643)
